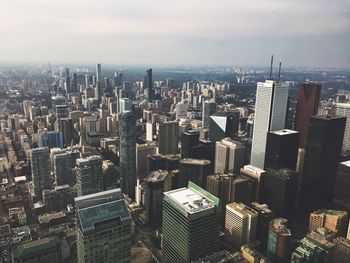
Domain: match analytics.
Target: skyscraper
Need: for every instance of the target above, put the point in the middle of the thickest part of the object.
(223, 124)
(189, 139)
(270, 115)
(63, 168)
(168, 137)
(308, 101)
(50, 139)
(127, 152)
(343, 110)
(149, 92)
(322, 154)
(40, 162)
(191, 224)
(256, 176)
(341, 198)
(229, 156)
(240, 224)
(333, 220)
(194, 170)
(209, 108)
(89, 175)
(104, 228)
(282, 149)
(99, 88)
(341, 253)
(278, 243)
(143, 151)
(66, 127)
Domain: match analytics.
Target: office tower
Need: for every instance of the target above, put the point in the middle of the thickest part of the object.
(204, 150)
(149, 92)
(127, 152)
(341, 196)
(40, 163)
(61, 111)
(189, 139)
(341, 252)
(278, 243)
(47, 249)
(256, 176)
(74, 86)
(191, 224)
(322, 153)
(181, 110)
(270, 115)
(229, 188)
(62, 164)
(229, 156)
(50, 139)
(143, 151)
(118, 79)
(332, 220)
(104, 228)
(66, 127)
(308, 101)
(265, 215)
(209, 108)
(240, 224)
(156, 183)
(168, 137)
(110, 175)
(99, 87)
(125, 104)
(223, 124)
(280, 190)
(194, 170)
(343, 110)
(314, 247)
(89, 175)
(282, 149)
(58, 198)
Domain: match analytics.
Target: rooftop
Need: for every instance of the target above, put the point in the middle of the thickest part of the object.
(33, 247)
(241, 209)
(284, 132)
(157, 176)
(195, 161)
(279, 225)
(90, 216)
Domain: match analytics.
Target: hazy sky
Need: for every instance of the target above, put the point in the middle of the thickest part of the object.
(237, 32)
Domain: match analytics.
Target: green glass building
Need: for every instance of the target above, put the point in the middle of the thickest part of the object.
(191, 224)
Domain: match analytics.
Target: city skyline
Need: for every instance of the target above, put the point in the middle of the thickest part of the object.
(183, 32)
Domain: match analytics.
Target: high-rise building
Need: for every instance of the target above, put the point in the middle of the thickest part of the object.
(322, 154)
(308, 101)
(280, 191)
(125, 104)
(74, 86)
(256, 176)
(204, 150)
(240, 224)
(149, 92)
(40, 163)
(143, 151)
(104, 228)
(282, 149)
(99, 88)
(341, 198)
(343, 110)
(252, 255)
(229, 156)
(62, 164)
(168, 137)
(278, 243)
(89, 175)
(209, 108)
(110, 175)
(265, 215)
(341, 253)
(127, 152)
(118, 79)
(156, 183)
(66, 127)
(47, 249)
(50, 139)
(194, 170)
(189, 139)
(333, 220)
(191, 224)
(270, 115)
(223, 124)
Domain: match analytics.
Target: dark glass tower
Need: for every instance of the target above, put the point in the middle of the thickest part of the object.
(127, 152)
(308, 101)
(322, 154)
(282, 149)
(149, 92)
(189, 139)
(223, 124)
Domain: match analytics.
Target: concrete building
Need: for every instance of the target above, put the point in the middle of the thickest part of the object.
(229, 156)
(270, 115)
(256, 176)
(104, 228)
(241, 224)
(191, 224)
(50, 139)
(40, 163)
(89, 175)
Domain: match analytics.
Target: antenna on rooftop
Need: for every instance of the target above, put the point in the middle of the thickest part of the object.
(271, 67)
(279, 72)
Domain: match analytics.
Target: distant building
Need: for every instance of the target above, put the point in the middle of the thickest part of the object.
(104, 228)
(270, 115)
(241, 223)
(40, 163)
(191, 224)
(148, 85)
(278, 243)
(63, 168)
(343, 110)
(308, 101)
(45, 250)
(229, 156)
(341, 198)
(89, 175)
(143, 151)
(156, 183)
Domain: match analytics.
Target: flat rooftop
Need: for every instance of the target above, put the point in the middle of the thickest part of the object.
(284, 132)
(195, 161)
(190, 200)
(241, 209)
(157, 176)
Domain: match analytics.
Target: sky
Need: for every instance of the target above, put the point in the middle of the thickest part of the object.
(301, 33)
